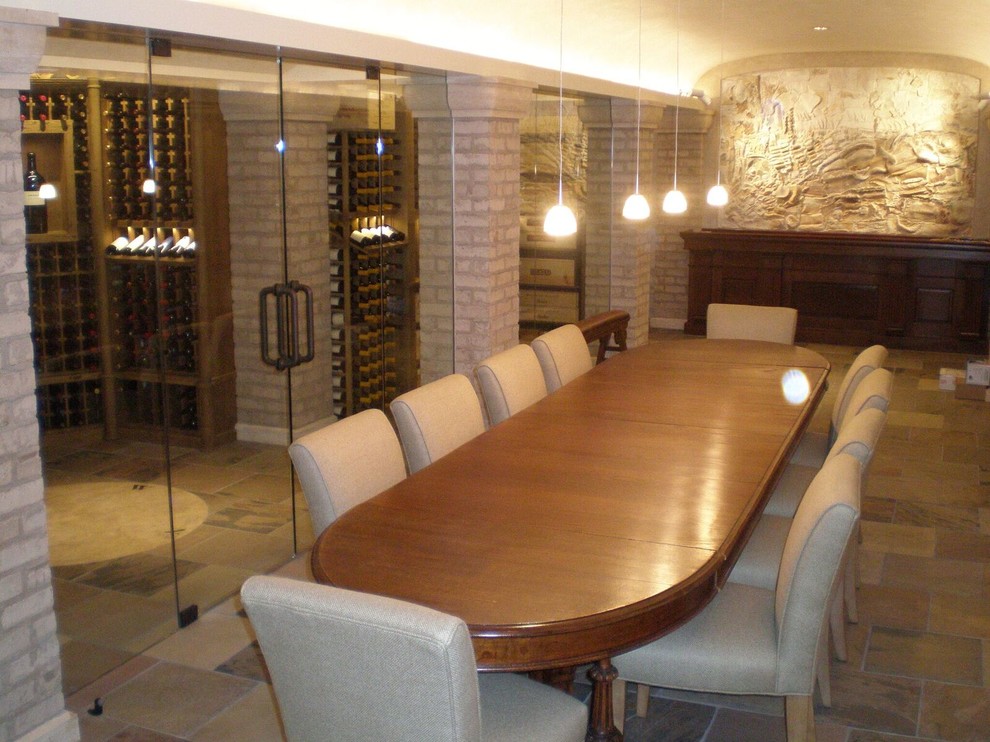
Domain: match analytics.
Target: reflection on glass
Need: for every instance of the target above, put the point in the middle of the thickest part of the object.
(795, 386)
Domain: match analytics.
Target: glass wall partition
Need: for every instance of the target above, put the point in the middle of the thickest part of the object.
(231, 261)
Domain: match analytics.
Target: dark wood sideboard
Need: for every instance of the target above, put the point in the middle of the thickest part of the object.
(853, 289)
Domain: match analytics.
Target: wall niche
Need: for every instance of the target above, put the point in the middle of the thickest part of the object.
(872, 150)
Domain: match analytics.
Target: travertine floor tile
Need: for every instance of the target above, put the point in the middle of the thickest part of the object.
(897, 539)
(878, 702)
(253, 718)
(174, 699)
(938, 576)
(955, 712)
(893, 607)
(205, 643)
(952, 659)
(963, 615)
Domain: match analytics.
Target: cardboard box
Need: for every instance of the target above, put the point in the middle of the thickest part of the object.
(949, 378)
(546, 271)
(978, 372)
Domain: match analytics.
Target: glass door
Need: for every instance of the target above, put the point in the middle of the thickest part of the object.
(114, 325)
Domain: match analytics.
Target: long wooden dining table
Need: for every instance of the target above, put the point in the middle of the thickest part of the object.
(595, 520)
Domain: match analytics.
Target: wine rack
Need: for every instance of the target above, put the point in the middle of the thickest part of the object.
(130, 122)
(62, 271)
(167, 262)
(373, 269)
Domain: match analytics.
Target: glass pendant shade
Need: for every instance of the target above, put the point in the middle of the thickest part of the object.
(149, 186)
(636, 207)
(47, 192)
(718, 195)
(560, 221)
(674, 202)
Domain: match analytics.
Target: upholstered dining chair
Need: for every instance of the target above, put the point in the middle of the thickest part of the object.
(758, 640)
(353, 667)
(436, 418)
(749, 322)
(510, 381)
(815, 444)
(759, 562)
(563, 355)
(345, 463)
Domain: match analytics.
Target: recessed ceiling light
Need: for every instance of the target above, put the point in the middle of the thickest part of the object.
(820, 28)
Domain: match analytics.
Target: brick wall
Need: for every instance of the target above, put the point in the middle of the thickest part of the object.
(668, 294)
(256, 257)
(31, 701)
(469, 155)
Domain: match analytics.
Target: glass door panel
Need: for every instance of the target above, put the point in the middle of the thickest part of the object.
(103, 392)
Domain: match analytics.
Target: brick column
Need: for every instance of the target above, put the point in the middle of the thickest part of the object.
(668, 301)
(469, 218)
(31, 702)
(617, 253)
(256, 253)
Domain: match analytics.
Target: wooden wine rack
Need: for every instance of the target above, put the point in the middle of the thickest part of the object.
(373, 286)
(106, 319)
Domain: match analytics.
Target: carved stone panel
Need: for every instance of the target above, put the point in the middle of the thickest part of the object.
(874, 150)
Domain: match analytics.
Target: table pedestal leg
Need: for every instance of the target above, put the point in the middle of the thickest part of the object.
(601, 724)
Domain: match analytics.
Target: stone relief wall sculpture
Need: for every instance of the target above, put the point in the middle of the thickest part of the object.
(873, 150)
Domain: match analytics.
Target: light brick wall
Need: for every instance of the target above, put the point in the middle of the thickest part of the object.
(669, 283)
(477, 120)
(256, 255)
(31, 701)
(618, 251)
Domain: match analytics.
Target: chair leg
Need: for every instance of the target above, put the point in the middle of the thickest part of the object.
(837, 626)
(851, 582)
(619, 703)
(642, 699)
(800, 716)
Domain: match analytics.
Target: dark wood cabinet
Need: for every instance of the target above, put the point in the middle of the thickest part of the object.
(850, 289)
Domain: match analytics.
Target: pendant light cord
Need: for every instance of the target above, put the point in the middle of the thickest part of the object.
(677, 82)
(721, 73)
(639, 88)
(560, 111)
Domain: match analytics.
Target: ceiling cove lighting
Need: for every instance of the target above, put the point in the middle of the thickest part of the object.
(636, 207)
(560, 220)
(718, 196)
(675, 202)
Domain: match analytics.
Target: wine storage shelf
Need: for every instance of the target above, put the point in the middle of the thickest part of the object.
(373, 268)
(126, 331)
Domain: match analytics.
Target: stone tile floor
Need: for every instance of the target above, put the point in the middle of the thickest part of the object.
(919, 658)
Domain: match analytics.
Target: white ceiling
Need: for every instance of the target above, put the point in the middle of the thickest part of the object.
(522, 38)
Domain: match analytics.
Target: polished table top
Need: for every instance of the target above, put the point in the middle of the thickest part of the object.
(595, 520)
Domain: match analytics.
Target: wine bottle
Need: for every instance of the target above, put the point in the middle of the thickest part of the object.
(35, 208)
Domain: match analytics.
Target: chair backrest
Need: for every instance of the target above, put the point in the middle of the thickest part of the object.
(873, 392)
(859, 436)
(563, 355)
(810, 568)
(436, 418)
(868, 360)
(346, 463)
(748, 322)
(510, 381)
(353, 667)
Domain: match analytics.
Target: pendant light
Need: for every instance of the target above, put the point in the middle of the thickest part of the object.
(637, 207)
(675, 202)
(560, 220)
(718, 196)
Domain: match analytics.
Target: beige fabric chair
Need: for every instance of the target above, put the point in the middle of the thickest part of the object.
(759, 562)
(436, 418)
(747, 322)
(353, 667)
(510, 381)
(815, 445)
(756, 640)
(563, 355)
(345, 463)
